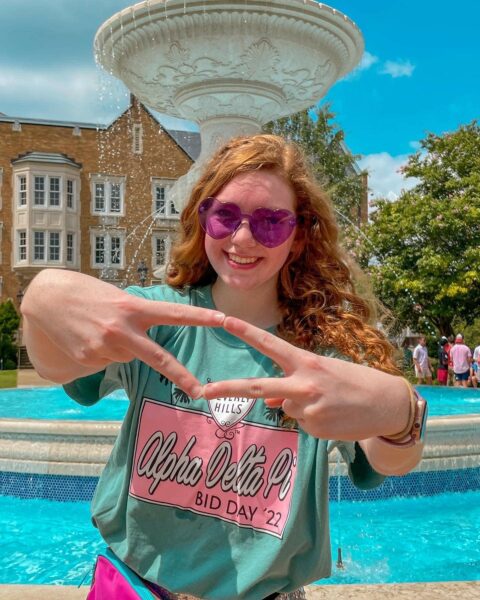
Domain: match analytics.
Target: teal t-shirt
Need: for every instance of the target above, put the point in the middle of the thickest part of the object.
(219, 499)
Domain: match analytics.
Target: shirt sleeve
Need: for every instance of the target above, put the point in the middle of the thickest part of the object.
(360, 472)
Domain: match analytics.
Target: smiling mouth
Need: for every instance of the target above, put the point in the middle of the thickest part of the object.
(242, 260)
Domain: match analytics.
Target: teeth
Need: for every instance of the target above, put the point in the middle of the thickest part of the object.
(241, 260)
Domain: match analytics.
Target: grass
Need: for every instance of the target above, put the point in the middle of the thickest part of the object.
(8, 379)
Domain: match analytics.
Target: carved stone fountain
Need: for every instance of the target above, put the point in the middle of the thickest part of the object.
(229, 66)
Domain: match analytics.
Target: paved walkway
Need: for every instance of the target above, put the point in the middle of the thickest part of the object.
(455, 590)
(29, 377)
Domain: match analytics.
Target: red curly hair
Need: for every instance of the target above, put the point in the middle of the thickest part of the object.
(316, 293)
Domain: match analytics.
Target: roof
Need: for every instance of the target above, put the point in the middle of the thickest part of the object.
(189, 141)
(27, 121)
(46, 157)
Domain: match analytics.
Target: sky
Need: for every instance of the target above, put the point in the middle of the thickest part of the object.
(420, 73)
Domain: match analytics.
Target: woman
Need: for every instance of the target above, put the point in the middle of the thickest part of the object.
(255, 353)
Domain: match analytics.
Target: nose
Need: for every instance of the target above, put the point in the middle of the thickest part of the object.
(243, 233)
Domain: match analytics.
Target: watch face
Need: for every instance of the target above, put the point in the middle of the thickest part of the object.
(420, 423)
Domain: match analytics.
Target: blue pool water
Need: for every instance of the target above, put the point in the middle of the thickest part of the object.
(435, 538)
(53, 403)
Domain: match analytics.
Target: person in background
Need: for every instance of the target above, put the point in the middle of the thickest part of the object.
(448, 347)
(473, 379)
(421, 360)
(442, 370)
(461, 358)
(476, 362)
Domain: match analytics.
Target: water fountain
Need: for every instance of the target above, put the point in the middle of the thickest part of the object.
(229, 66)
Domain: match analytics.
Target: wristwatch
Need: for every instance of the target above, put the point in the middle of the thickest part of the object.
(416, 434)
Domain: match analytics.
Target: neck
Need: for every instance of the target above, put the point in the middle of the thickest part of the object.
(259, 307)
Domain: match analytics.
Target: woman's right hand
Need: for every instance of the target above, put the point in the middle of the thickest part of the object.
(75, 325)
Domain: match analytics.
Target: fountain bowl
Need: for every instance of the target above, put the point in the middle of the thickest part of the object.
(228, 66)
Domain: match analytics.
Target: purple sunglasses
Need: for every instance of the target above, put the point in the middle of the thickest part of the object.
(269, 227)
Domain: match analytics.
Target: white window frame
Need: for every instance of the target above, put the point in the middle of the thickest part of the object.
(169, 211)
(22, 237)
(69, 248)
(36, 190)
(54, 192)
(109, 184)
(47, 246)
(48, 191)
(108, 237)
(70, 195)
(35, 245)
(22, 190)
(54, 246)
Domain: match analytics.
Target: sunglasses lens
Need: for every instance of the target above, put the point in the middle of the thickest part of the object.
(272, 227)
(219, 219)
(269, 227)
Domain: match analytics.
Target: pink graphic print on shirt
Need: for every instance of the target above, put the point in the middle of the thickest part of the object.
(179, 461)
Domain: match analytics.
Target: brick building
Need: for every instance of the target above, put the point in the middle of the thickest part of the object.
(87, 197)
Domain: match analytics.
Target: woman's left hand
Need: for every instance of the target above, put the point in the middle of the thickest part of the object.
(330, 398)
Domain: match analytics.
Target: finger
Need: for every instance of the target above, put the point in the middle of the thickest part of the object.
(292, 409)
(274, 402)
(274, 387)
(165, 363)
(280, 351)
(170, 313)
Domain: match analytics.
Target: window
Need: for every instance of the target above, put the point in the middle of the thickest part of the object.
(115, 251)
(54, 246)
(173, 209)
(161, 250)
(163, 208)
(99, 250)
(22, 190)
(39, 191)
(160, 204)
(99, 197)
(108, 250)
(38, 245)
(70, 248)
(115, 198)
(22, 245)
(137, 141)
(70, 193)
(54, 191)
(108, 197)
(47, 246)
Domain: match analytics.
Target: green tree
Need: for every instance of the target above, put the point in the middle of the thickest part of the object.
(9, 322)
(423, 250)
(323, 142)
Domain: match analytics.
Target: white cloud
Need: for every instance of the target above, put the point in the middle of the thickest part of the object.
(367, 61)
(84, 95)
(64, 94)
(384, 177)
(397, 68)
